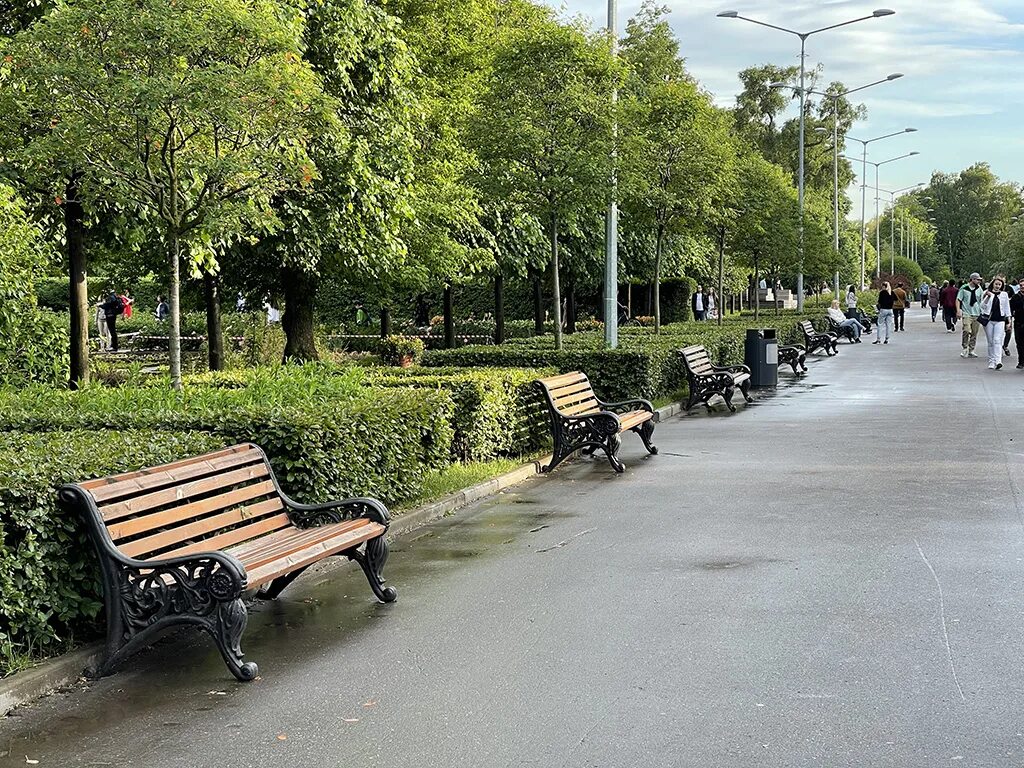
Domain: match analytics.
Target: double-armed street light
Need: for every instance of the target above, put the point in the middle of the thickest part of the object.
(835, 97)
(880, 13)
(863, 192)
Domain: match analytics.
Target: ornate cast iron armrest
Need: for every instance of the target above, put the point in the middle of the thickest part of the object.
(639, 404)
(732, 369)
(605, 422)
(311, 515)
(218, 572)
(721, 379)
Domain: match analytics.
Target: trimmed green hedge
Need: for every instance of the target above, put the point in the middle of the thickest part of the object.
(326, 435)
(49, 582)
(497, 410)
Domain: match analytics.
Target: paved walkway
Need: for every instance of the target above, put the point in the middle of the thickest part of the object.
(830, 577)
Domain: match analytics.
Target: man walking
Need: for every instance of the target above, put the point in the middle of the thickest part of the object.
(968, 301)
(699, 304)
(899, 306)
(947, 300)
(112, 307)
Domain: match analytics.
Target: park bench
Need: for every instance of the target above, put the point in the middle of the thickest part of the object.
(815, 340)
(706, 380)
(180, 543)
(582, 422)
(794, 356)
(840, 331)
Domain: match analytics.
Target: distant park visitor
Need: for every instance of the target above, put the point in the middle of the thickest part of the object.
(899, 307)
(933, 300)
(1017, 310)
(697, 303)
(995, 317)
(885, 302)
(112, 307)
(947, 300)
(968, 301)
(843, 321)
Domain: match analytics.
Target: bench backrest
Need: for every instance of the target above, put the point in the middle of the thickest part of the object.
(570, 394)
(698, 361)
(201, 504)
(808, 328)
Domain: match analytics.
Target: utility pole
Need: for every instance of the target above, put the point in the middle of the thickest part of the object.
(611, 231)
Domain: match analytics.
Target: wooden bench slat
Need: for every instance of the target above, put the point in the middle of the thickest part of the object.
(571, 390)
(633, 418)
(134, 526)
(579, 397)
(110, 480)
(580, 408)
(198, 528)
(158, 479)
(554, 382)
(234, 536)
(280, 544)
(264, 574)
(184, 491)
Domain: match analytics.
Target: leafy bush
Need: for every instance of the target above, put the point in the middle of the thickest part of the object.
(50, 591)
(401, 350)
(497, 410)
(326, 435)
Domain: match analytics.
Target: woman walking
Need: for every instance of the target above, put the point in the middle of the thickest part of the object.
(933, 300)
(995, 305)
(884, 329)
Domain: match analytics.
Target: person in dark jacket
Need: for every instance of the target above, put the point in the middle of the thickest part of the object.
(699, 304)
(947, 300)
(884, 329)
(112, 307)
(1017, 312)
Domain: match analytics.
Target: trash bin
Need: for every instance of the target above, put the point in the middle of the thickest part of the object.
(761, 354)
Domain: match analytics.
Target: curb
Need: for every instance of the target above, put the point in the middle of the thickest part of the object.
(31, 684)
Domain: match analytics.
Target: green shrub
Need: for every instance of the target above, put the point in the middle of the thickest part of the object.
(401, 350)
(326, 435)
(497, 411)
(50, 592)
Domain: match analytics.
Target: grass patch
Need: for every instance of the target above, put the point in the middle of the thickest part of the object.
(439, 484)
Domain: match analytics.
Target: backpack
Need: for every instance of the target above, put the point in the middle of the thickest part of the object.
(126, 308)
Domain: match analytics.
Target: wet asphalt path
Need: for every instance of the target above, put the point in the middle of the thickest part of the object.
(831, 577)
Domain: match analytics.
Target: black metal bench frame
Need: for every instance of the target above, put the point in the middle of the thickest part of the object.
(143, 598)
(795, 356)
(815, 339)
(593, 430)
(722, 380)
(840, 331)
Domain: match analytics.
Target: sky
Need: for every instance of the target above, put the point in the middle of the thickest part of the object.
(962, 61)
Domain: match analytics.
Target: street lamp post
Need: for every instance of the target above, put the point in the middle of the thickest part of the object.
(863, 194)
(611, 232)
(834, 97)
(803, 97)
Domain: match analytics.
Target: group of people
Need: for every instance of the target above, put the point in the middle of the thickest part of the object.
(998, 308)
(120, 305)
(704, 305)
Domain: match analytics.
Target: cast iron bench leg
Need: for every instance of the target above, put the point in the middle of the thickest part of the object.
(646, 432)
(372, 562)
(226, 628)
(612, 449)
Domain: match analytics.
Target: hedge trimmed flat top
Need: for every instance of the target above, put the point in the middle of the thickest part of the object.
(579, 421)
(180, 543)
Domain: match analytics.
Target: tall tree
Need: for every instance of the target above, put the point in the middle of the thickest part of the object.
(548, 125)
(196, 112)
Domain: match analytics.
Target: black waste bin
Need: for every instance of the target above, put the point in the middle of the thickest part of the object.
(761, 354)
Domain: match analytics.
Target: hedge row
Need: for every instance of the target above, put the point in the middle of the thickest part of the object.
(497, 411)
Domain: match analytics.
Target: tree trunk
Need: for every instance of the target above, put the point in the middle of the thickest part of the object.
(538, 306)
(499, 308)
(658, 240)
(449, 320)
(570, 307)
(757, 289)
(78, 286)
(555, 287)
(385, 322)
(297, 320)
(174, 340)
(214, 332)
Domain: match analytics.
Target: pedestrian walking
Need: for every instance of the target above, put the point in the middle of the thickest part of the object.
(933, 299)
(968, 308)
(712, 305)
(851, 301)
(995, 318)
(698, 303)
(899, 307)
(1017, 311)
(112, 307)
(101, 328)
(886, 300)
(922, 294)
(947, 300)
(162, 310)
(842, 321)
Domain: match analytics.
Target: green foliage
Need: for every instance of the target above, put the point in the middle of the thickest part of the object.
(50, 592)
(497, 410)
(33, 344)
(399, 350)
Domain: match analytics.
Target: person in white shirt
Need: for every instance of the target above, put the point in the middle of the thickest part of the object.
(851, 300)
(712, 305)
(995, 306)
(698, 304)
(855, 329)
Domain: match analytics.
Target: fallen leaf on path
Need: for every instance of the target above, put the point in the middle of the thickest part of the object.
(282, 737)
(350, 719)
(30, 761)
(370, 703)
